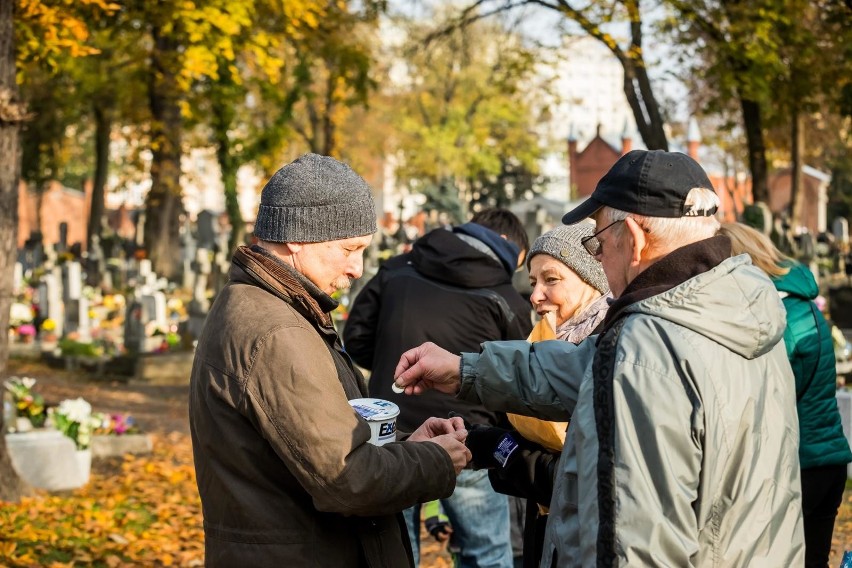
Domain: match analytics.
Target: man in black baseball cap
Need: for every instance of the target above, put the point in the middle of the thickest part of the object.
(653, 183)
(675, 407)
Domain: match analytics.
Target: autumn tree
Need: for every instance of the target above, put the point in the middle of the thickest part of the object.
(42, 30)
(465, 115)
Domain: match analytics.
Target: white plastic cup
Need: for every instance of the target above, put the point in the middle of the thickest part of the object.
(381, 415)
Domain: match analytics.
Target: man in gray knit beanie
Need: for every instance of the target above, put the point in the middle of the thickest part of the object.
(274, 435)
(315, 199)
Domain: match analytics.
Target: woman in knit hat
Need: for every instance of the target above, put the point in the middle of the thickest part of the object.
(567, 282)
(570, 293)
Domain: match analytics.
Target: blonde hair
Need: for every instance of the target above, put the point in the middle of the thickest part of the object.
(675, 232)
(764, 255)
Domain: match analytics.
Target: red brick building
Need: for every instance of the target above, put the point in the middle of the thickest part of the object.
(58, 204)
(588, 166)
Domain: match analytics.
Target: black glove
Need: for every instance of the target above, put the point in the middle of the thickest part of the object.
(491, 447)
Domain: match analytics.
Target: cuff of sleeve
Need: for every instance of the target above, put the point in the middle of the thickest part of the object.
(467, 377)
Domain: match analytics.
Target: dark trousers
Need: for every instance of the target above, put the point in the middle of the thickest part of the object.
(822, 492)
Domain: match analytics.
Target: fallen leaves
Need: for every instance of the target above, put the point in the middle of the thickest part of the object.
(135, 511)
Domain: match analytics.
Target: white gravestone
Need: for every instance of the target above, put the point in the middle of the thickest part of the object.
(46, 459)
(18, 277)
(75, 281)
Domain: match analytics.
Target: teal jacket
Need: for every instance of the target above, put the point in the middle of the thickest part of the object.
(811, 354)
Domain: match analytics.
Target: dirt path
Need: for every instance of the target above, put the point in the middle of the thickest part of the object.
(163, 409)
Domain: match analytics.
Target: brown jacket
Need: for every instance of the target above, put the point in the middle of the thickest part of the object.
(284, 469)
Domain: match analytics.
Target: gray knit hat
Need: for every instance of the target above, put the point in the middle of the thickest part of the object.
(315, 199)
(563, 244)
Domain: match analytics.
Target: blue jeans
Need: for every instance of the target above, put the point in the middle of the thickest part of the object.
(480, 520)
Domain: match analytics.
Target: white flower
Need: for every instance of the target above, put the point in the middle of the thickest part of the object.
(28, 382)
(77, 410)
(20, 313)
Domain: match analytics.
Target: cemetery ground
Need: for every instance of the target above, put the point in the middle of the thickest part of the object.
(144, 510)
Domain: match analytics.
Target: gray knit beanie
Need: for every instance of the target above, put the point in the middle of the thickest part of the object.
(563, 244)
(312, 200)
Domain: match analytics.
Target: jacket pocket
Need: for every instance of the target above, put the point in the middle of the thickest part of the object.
(381, 541)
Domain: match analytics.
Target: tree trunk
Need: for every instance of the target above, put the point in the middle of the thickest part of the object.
(223, 118)
(646, 109)
(164, 205)
(756, 150)
(11, 114)
(797, 188)
(103, 125)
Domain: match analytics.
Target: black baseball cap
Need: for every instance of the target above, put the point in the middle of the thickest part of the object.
(653, 183)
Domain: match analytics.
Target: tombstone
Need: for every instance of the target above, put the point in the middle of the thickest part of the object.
(115, 274)
(758, 216)
(208, 230)
(62, 245)
(77, 318)
(161, 315)
(31, 256)
(95, 264)
(17, 277)
(139, 237)
(840, 230)
(72, 280)
(49, 256)
(145, 267)
(37, 249)
(53, 299)
(189, 250)
(46, 459)
(134, 328)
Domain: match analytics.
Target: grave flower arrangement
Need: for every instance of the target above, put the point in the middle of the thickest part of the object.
(28, 404)
(74, 418)
(26, 332)
(48, 328)
(116, 425)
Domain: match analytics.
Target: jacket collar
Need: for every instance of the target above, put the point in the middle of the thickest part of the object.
(265, 270)
(673, 269)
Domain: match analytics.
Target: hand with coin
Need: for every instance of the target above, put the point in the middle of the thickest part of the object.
(427, 367)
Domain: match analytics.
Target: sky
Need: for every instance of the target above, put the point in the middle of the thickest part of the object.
(548, 28)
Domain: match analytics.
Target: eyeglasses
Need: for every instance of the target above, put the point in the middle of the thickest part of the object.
(592, 244)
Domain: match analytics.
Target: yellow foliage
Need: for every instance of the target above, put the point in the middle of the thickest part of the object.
(51, 28)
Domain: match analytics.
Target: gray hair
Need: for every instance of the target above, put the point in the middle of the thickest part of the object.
(675, 232)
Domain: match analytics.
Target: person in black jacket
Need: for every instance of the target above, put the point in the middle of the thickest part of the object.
(455, 289)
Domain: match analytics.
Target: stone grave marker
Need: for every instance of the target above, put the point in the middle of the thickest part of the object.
(72, 280)
(18, 277)
(62, 245)
(840, 229)
(208, 229)
(134, 327)
(52, 297)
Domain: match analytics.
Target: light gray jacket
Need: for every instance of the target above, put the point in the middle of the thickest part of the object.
(683, 443)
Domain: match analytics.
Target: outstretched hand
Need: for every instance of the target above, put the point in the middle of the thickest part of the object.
(428, 367)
